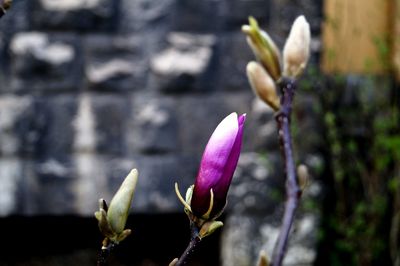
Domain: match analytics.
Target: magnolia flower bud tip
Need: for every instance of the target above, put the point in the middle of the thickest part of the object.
(297, 48)
(134, 171)
(253, 21)
(246, 29)
(301, 18)
(242, 119)
(132, 177)
(239, 117)
(250, 66)
(173, 263)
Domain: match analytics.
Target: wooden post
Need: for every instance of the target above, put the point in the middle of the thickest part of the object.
(396, 38)
(356, 36)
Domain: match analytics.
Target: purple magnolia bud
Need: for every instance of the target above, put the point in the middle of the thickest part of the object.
(217, 166)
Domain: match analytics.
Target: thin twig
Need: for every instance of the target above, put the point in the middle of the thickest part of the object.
(105, 253)
(293, 191)
(194, 240)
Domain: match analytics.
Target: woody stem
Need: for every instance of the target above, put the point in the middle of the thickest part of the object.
(293, 191)
(194, 240)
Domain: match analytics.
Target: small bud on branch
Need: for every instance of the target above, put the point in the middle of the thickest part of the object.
(112, 220)
(303, 176)
(297, 48)
(264, 48)
(118, 210)
(263, 85)
(263, 259)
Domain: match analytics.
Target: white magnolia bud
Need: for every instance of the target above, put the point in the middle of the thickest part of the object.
(118, 210)
(297, 48)
(262, 84)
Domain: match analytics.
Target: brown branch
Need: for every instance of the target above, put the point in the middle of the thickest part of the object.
(194, 240)
(105, 252)
(293, 191)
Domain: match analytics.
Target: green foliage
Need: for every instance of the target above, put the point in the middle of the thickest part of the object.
(363, 151)
(310, 205)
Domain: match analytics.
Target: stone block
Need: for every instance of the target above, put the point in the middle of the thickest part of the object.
(154, 127)
(54, 116)
(185, 65)
(140, 15)
(43, 62)
(84, 125)
(112, 113)
(190, 16)
(10, 179)
(92, 172)
(264, 131)
(238, 11)
(17, 19)
(234, 54)
(86, 15)
(53, 192)
(45, 187)
(115, 63)
(18, 132)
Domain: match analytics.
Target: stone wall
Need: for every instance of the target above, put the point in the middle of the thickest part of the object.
(91, 89)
